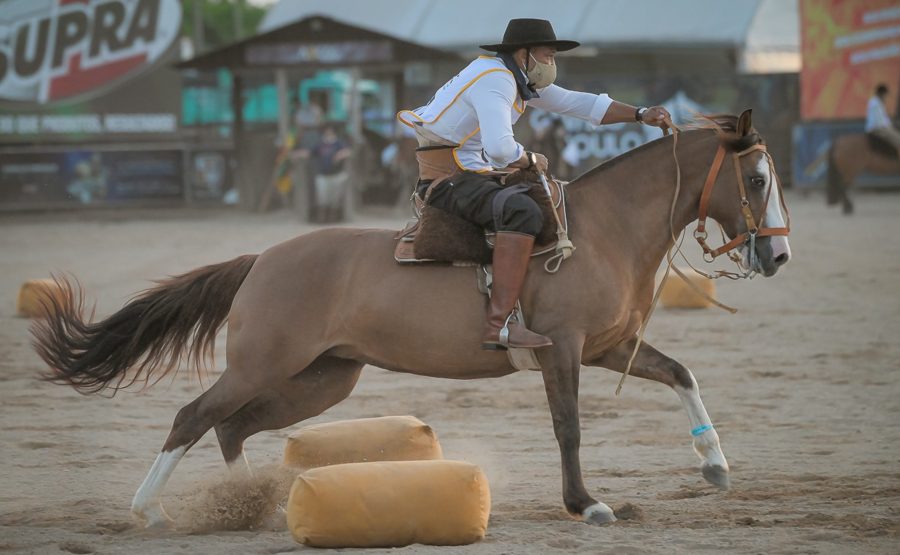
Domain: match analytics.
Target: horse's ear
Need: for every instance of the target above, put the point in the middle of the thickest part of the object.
(744, 123)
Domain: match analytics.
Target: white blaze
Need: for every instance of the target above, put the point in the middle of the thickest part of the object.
(774, 217)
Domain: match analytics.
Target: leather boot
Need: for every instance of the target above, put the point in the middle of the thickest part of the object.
(511, 254)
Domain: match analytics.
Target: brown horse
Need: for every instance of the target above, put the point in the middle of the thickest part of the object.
(852, 155)
(306, 315)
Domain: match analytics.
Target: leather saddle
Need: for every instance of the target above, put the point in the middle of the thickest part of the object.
(438, 236)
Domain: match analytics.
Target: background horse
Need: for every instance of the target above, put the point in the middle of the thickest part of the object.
(306, 315)
(852, 155)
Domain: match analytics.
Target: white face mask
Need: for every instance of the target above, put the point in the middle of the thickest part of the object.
(541, 75)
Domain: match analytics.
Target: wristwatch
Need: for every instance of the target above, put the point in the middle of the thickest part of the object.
(532, 160)
(639, 113)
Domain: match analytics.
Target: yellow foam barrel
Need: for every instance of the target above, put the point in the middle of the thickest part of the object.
(390, 504)
(678, 294)
(35, 297)
(388, 438)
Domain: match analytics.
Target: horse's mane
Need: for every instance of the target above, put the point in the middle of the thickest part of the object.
(724, 125)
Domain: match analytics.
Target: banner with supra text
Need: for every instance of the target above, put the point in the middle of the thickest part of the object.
(98, 70)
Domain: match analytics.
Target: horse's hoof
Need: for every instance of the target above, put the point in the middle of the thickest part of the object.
(598, 515)
(160, 524)
(716, 475)
(154, 518)
(848, 208)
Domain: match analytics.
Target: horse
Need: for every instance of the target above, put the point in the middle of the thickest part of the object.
(852, 155)
(306, 315)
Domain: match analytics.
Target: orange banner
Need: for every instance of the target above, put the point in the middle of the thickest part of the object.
(848, 47)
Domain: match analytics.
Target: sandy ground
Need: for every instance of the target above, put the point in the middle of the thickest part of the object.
(803, 386)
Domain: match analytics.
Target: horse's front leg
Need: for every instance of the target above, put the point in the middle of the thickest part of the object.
(562, 365)
(653, 365)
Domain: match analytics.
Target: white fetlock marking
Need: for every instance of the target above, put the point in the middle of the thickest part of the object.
(706, 440)
(156, 517)
(146, 504)
(707, 447)
(598, 508)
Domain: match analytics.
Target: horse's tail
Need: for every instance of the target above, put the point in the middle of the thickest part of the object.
(834, 190)
(150, 333)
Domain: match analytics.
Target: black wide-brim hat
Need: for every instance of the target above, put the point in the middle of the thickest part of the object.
(525, 33)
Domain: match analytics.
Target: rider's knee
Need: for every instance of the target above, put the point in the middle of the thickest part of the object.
(521, 214)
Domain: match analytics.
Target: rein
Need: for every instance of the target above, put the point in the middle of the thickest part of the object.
(709, 254)
(669, 257)
(564, 247)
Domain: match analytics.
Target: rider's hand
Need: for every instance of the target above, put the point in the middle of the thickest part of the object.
(655, 116)
(541, 163)
(524, 163)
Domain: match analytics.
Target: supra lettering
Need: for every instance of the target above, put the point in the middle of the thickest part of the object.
(107, 20)
(143, 23)
(22, 65)
(98, 30)
(70, 29)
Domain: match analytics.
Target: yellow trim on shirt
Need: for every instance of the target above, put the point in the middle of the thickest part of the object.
(456, 159)
(461, 143)
(455, 98)
(406, 123)
(522, 110)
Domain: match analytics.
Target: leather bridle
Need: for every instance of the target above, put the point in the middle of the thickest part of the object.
(754, 229)
(754, 226)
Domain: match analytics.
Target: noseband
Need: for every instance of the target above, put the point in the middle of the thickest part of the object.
(754, 226)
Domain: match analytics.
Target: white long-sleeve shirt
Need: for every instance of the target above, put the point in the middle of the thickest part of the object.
(478, 107)
(876, 115)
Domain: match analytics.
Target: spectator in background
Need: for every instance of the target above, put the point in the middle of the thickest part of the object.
(307, 116)
(878, 122)
(329, 157)
(307, 122)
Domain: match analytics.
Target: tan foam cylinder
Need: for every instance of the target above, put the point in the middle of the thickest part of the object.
(36, 294)
(388, 438)
(390, 504)
(678, 294)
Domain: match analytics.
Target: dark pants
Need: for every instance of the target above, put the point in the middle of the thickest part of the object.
(471, 197)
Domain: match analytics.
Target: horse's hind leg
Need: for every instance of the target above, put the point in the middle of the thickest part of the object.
(653, 365)
(217, 403)
(323, 384)
(561, 366)
(842, 172)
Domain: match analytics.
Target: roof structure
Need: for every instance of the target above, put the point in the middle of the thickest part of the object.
(461, 25)
(317, 42)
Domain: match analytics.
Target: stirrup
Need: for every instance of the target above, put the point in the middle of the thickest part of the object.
(502, 343)
(503, 336)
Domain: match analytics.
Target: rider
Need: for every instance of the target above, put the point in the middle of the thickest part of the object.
(465, 134)
(878, 122)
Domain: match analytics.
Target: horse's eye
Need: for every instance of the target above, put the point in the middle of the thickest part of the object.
(758, 181)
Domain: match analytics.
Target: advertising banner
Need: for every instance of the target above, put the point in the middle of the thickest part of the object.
(88, 69)
(848, 47)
